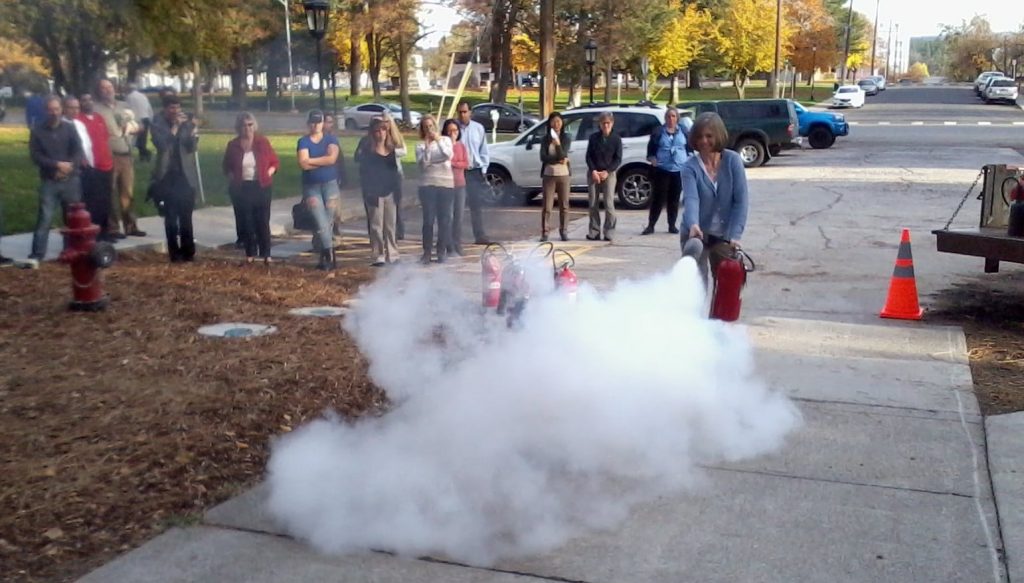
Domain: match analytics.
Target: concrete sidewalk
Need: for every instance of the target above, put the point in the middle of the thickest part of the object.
(886, 481)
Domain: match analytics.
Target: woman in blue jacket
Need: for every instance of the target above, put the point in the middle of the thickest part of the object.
(714, 195)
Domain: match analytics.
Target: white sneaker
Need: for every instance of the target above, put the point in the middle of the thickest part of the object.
(30, 263)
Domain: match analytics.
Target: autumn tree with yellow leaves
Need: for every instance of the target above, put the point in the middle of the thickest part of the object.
(685, 37)
(745, 44)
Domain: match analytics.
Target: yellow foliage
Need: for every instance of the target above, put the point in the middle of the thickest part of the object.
(13, 54)
(525, 53)
(682, 41)
(746, 43)
(918, 72)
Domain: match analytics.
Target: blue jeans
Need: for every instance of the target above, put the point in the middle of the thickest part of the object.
(52, 192)
(321, 198)
(437, 206)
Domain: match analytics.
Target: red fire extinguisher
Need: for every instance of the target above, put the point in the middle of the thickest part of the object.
(490, 274)
(565, 278)
(730, 277)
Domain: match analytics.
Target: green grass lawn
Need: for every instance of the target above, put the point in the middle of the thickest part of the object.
(19, 179)
(428, 102)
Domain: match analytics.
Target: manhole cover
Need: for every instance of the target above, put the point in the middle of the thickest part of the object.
(236, 330)
(320, 311)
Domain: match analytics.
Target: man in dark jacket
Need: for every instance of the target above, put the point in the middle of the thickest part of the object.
(175, 177)
(604, 154)
(56, 149)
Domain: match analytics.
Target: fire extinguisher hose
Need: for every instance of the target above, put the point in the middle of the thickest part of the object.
(570, 262)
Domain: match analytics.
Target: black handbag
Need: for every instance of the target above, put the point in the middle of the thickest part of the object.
(302, 218)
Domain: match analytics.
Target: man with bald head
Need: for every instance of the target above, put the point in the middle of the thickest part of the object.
(55, 148)
(122, 129)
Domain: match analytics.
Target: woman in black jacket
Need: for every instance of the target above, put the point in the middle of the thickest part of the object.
(555, 174)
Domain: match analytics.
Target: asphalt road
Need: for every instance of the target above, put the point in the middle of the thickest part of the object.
(933, 116)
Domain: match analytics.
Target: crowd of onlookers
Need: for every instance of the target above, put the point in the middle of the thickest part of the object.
(83, 148)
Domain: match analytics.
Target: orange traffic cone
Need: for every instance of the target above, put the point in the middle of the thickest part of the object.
(902, 301)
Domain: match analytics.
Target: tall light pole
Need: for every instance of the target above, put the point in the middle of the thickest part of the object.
(874, 38)
(316, 22)
(288, 39)
(814, 67)
(846, 49)
(590, 53)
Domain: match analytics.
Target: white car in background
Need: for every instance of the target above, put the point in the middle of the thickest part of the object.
(514, 170)
(1001, 89)
(359, 116)
(879, 81)
(848, 96)
(979, 83)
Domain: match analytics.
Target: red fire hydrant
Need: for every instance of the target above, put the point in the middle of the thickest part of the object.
(86, 258)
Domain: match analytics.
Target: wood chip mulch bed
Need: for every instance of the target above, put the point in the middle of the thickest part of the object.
(116, 425)
(990, 309)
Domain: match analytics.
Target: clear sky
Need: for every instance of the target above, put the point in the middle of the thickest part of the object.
(915, 17)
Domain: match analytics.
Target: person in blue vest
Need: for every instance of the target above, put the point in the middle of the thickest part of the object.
(666, 152)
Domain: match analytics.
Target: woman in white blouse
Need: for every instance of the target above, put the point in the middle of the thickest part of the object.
(437, 187)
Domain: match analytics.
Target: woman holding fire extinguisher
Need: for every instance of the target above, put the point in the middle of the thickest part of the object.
(714, 196)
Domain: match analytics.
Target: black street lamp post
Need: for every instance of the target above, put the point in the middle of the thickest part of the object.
(316, 22)
(814, 66)
(590, 52)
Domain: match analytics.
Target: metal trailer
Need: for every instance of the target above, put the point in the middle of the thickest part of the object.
(989, 239)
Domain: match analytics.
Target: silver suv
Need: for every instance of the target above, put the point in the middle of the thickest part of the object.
(514, 170)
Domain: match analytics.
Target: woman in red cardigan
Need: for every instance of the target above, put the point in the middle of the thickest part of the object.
(250, 164)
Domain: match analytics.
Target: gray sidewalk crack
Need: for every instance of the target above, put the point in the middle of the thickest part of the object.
(503, 571)
(841, 482)
(828, 207)
(907, 411)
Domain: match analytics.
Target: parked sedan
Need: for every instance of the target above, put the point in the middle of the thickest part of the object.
(869, 86)
(1001, 90)
(511, 119)
(359, 116)
(848, 96)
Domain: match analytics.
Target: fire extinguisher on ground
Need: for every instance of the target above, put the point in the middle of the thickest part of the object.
(730, 277)
(565, 278)
(490, 273)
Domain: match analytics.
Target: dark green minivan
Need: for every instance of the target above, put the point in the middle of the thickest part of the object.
(758, 128)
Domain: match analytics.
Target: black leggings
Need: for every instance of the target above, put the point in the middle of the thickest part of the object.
(666, 188)
(253, 212)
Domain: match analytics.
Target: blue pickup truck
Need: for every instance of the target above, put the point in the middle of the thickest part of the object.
(820, 127)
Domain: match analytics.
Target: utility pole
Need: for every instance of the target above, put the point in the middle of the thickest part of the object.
(888, 53)
(846, 48)
(874, 39)
(896, 63)
(773, 81)
(547, 57)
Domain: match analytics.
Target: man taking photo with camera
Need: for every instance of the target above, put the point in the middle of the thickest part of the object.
(175, 177)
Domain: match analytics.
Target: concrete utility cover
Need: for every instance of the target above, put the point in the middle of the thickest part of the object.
(236, 330)
(320, 311)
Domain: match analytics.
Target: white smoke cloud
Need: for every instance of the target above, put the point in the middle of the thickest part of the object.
(508, 443)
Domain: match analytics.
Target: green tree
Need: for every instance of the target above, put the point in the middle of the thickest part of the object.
(76, 38)
(970, 48)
